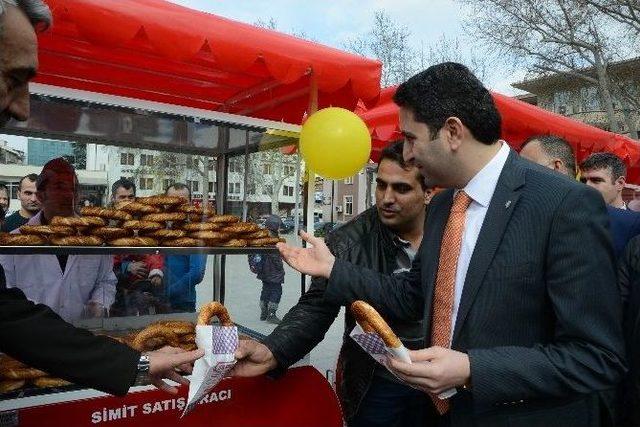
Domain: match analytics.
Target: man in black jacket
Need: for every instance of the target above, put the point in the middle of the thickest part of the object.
(32, 333)
(384, 238)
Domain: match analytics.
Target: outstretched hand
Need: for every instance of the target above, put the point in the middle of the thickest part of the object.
(253, 359)
(315, 260)
(164, 362)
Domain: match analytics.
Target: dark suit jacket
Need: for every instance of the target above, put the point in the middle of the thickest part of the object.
(35, 335)
(540, 314)
(624, 224)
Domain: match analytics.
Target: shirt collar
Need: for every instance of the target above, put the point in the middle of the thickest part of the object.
(483, 184)
(400, 242)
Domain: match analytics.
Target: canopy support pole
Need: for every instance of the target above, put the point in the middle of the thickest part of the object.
(310, 184)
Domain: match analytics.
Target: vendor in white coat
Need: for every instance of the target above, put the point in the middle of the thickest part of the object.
(74, 286)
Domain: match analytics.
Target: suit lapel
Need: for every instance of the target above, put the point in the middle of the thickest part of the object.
(503, 203)
(434, 229)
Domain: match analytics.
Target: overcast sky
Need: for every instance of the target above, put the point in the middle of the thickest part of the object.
(334, 22)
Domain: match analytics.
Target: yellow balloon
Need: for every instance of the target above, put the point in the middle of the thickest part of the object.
(335, 143)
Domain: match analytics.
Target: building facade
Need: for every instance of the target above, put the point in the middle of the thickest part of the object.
(579, 99)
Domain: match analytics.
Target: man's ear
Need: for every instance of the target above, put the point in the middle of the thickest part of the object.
(453, 132)
(620, 182)
(428, 195)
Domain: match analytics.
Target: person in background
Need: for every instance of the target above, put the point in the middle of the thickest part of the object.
(29, 204)
(140, 288)
(74, 286)
(270, 270)
(606, 173)
(556, 153)
(54, 345)
(552, 152)
(122, 190)
(183, 272)
(4, 202)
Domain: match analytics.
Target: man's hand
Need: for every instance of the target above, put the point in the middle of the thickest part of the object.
(94, 309)
(138, 269)
(253, 358)
(434, 369)
(314, 261)
(164, 362)
(156, 281)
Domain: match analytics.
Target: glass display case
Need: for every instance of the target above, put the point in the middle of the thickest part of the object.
(233, 167)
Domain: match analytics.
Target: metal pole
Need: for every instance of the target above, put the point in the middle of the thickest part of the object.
(311, 177)
(246, 175)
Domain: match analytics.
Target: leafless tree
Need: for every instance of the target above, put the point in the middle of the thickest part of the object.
(452, 49)
(552, 37)
(626, 12)
(389, 42)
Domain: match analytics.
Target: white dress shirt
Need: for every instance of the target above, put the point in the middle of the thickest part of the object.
(480, 189)
(86, 278)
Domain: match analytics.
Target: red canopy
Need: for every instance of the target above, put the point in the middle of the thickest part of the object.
(159, 51)
(519, 121)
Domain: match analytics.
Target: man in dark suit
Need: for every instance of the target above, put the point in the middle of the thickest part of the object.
(556, 153)
(32, 333)
(515, 278)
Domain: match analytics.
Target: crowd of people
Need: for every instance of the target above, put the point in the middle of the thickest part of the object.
(81, 286)
(509, 280)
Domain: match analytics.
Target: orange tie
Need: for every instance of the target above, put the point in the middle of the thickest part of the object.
(444, 292)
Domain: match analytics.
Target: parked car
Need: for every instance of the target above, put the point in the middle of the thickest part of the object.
(321, 228)
(288, 225)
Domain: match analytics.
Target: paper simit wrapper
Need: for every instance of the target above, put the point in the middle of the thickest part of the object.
(376, 348)
(219, 344)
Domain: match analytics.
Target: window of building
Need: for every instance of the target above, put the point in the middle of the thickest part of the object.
(13, 189)
(146, 160)
(237, 187)
(193, 185)
(166, 184)
(212, 164)
(590, 98)
(348, 180)
(266, 168)
(562, 101)
(235, 165)
(251, 188)
(127, 159)
(348, 205)
(211, 186)
(146, 183)
(289, 170)
(267, 189)
(287, 190)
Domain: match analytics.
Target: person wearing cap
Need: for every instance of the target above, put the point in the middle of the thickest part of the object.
(270, 270)
(74, 286)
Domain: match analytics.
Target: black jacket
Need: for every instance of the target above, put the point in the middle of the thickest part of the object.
(629, 281)
(540, 315)
(34, 334)
(363, 241)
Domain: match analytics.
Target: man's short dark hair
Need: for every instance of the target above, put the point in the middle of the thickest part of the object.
(179, 186)
(393, 152)
(605, 160)
(32, 177)
(125, 183)
(451, 90)
(59, 168)
(556, 147)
